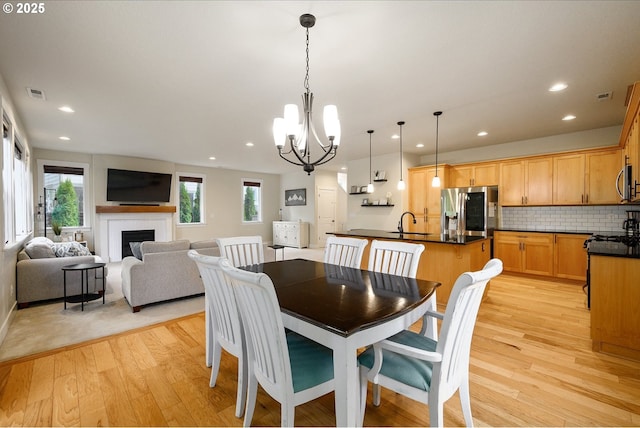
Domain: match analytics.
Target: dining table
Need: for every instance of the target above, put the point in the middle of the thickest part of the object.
(345, 309)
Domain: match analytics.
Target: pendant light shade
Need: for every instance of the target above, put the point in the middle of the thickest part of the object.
(401, 184)
(370, 185)
(436, 180)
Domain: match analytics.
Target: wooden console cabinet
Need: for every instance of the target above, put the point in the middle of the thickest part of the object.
(291, 233)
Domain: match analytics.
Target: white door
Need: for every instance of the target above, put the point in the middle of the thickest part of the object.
(326, 214)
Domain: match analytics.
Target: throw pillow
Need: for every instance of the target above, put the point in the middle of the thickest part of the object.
(135, 249)
(70, 249)
(39, 250)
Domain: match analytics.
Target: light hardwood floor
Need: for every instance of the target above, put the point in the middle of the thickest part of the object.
(531, 365)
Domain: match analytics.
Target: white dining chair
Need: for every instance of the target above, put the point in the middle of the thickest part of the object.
(426, 370)
(344, 251)
(225, 330)
(242, 250)
(290, 368)
(402, 258)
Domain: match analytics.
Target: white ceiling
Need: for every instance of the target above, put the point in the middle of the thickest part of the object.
(185, 80)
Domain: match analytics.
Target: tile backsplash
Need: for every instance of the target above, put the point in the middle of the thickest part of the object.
(582, 218)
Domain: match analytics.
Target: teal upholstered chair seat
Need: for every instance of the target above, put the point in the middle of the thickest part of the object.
(404, 369)
(311, 363)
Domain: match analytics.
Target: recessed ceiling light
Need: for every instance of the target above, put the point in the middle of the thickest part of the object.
(558, 87)
(66, 109)
(63, 138)
(569, 117)
(420, 145)
(395, 136)
(249, 144)
(344, 168)
(483, 134)
(212, 158)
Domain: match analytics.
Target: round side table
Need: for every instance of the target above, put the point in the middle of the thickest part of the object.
(84, 296)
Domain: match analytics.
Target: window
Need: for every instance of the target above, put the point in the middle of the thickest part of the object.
(17, 192)
(64, 186)
(191, 191)
(251, 201)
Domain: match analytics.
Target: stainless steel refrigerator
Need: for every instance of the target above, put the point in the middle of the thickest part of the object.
(469, 210)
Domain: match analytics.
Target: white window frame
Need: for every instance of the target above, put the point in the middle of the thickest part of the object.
(86, 184)
(202, 198)
(242, 186)
(16, 172)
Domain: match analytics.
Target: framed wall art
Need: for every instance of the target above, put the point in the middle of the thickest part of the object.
(295, 197)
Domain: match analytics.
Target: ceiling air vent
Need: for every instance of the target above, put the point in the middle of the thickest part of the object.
(36, 93)
(605, 96)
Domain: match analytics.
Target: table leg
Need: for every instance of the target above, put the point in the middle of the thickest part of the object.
(65, 289)
(84, 279)
(103, 284)
(347, 381)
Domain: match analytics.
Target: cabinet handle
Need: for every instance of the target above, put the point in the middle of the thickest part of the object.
(522, 200)
(586, 199)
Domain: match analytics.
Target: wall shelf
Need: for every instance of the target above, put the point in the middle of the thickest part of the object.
(380, 181)
(372, 205)
(359, 193)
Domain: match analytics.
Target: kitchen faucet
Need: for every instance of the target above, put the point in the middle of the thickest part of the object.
(400, 229)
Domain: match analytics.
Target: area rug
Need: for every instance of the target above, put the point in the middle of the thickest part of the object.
(49, 326)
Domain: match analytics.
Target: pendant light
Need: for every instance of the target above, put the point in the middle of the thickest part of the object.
(401, 184)
(436, 180)
(370, 186)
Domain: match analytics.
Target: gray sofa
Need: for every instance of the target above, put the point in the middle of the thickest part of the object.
(39, 274)
(164, 273)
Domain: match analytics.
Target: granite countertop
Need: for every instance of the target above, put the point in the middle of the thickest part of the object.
(408, 236)
(629, 249)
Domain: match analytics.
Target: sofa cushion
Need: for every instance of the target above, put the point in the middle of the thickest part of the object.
(161, 247)
(70, 249)
(209, 243)
(40, 248)
(135, 250)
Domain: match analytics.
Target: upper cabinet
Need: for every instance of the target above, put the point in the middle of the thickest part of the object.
(478, 174)
(526, 181)
(586, 178)
(630, 138)
(424, 200)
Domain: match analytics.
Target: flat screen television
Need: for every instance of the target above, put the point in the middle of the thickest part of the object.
(137, 186)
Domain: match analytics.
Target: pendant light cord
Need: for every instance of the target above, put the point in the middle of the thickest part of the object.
(437, 115)
(370, 131)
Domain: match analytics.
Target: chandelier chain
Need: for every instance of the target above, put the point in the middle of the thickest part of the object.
(306, 77)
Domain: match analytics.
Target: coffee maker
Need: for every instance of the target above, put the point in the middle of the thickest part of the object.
(632, 223)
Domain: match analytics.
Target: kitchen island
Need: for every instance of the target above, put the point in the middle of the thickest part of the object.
(445, 257)
(615, 297)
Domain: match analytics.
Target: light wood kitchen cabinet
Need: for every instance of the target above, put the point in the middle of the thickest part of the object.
(424, 200)
(526, 181)
(570, 256)
(479, 174)
(586, 178)
(630, 137)
(525, 252)
(615, 319)
(291, 233)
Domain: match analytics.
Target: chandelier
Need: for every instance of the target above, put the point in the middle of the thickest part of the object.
(299, 136)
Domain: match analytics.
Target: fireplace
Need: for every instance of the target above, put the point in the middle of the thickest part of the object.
(129, 236)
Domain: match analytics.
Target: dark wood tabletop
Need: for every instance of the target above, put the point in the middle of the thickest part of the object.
(340, 299)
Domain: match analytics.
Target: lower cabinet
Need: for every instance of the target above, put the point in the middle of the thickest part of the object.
(525, 252)
(570, 256)
(291, 233)
(559, 255)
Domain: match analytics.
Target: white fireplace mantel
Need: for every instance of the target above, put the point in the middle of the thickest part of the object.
(113, 220)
